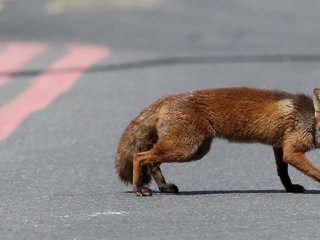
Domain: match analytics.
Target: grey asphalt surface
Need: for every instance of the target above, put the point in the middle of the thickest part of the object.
(57, 173)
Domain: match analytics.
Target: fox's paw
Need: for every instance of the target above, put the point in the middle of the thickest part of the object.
(169, 188)
(143, 191)
(295, 188)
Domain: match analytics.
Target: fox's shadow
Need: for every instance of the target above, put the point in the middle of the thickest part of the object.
(213, 192)
(241, 192)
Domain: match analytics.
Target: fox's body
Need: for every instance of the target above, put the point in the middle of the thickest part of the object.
(180, 128)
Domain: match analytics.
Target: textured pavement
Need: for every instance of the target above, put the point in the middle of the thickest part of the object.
(57, 163)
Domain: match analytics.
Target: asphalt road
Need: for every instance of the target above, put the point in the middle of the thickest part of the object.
(74, 73)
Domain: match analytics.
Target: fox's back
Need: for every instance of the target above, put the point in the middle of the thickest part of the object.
(246, 114)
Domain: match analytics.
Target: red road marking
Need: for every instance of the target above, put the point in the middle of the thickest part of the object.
(15, 55)
(47, 87)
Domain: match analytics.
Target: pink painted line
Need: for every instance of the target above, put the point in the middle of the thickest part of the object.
(16, 55)
(47, 87)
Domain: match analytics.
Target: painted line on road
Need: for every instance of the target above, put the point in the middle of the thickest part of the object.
(47, 87)
(16, 55)
(61, 6)
(97, 214)
(2, 4)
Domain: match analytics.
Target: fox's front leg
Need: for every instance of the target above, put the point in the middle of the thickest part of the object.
(282, 169)
(300, 161)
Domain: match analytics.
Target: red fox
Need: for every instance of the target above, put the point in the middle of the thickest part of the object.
(180, 128)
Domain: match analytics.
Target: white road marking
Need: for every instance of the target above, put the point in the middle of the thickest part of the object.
(96, 214)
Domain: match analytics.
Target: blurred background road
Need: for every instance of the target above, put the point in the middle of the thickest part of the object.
(73, 73)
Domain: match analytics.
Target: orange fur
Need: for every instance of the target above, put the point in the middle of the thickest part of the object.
(180, 128)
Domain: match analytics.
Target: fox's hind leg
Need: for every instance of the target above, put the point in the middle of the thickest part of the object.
(161, 182)
(162, 152)
(282, 169)
(166, 151)
(138, 187)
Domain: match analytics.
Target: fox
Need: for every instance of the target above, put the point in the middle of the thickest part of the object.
(181, 127)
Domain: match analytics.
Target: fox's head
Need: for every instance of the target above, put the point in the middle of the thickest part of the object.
(316, 103)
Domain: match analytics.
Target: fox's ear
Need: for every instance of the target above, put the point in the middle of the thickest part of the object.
(316, 100)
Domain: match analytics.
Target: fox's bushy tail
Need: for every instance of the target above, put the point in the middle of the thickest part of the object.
(139, 136)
